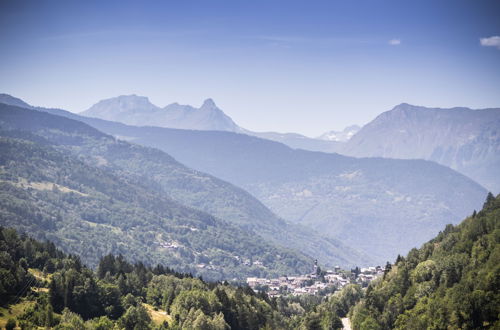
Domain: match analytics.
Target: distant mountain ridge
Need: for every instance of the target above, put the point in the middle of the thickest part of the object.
(464, 139)
(297, 141)
(139, 111)
(340, 136)
(10, 100)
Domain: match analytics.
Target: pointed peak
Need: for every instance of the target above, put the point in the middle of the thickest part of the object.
(406, 106)
(209, 103)
(402, 105)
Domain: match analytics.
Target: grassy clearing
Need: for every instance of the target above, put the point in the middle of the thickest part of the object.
(23, 183)
(13, 311)
(157, 316)
(39, 275)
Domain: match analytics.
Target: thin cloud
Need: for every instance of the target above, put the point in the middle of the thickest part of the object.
(493, 41)
(395, 42)
(122, 33)
(319, 41)
(290, 41)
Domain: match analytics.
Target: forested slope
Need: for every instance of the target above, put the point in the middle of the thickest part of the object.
(451, 282)
(159, 171)
(91, 212)
(42, 287)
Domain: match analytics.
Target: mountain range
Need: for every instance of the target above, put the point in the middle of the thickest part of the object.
(461, 138)
(379, 206)
(139, 111)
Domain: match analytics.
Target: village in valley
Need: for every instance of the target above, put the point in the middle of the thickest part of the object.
(318, 282)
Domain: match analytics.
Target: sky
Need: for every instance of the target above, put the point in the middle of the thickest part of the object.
(287, 66)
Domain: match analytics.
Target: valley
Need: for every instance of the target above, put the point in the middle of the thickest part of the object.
(357, 201)
(249, 165)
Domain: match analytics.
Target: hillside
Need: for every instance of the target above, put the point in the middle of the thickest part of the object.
(42, 287)
(463, 139)
(380, 206)
(451, 282)
(161, 172)
(91, 212)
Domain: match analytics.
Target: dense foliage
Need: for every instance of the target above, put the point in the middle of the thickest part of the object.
(452, 282)
(121, 295)
(17, 254)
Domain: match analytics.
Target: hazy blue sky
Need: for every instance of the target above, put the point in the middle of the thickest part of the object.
(302, 66)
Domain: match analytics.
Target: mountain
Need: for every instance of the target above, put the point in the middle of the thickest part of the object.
(362, 202)
(378, 206)
(331, 141)
(188, 187)
(92, 212)
(451, 282)
(139, 111)
(463, 139)
(297, 141)
(342, 136)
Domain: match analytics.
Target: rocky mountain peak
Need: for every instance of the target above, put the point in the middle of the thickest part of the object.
(209, 104)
